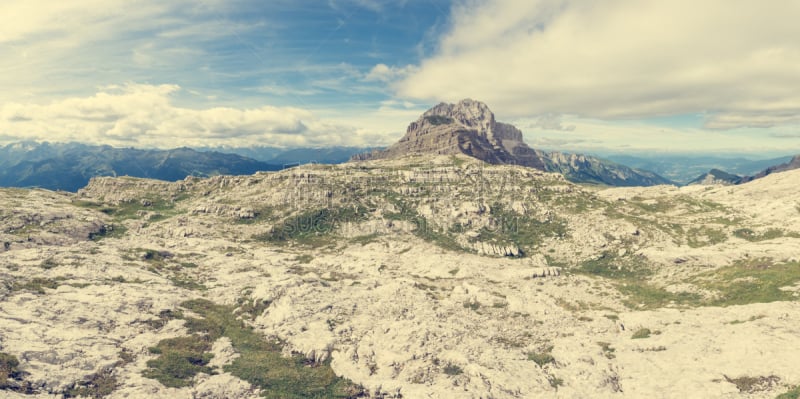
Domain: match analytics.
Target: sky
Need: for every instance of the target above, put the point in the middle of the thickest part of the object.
(608, 76)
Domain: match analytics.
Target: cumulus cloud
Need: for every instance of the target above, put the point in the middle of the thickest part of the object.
(607, 59)
(385, 73)
(552, 122)
(145, 116)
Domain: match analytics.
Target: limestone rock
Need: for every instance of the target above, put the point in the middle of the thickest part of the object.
(468, 127)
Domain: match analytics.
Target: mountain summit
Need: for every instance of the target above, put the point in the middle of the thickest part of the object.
(468, 127)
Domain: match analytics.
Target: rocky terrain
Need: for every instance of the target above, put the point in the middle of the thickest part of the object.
(417, 277)
(469, 128)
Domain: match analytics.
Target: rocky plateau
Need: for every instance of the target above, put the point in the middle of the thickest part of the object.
(414, 277)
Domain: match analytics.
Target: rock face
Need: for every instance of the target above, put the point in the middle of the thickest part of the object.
(468, 127)
(716, 176)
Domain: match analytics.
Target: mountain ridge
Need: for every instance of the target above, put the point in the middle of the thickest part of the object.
(70, 166)
(469, 127)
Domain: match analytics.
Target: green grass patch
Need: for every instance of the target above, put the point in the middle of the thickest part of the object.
(752, 236)
(48, 264)
(641, 333)
(697, 237)
(365, 239)
(472, 305)
(608, 350)
(260, 363)
(610, 266)
(754, 384)
(179, 360)
(555, 382)
(114, 230)
(313, 226)
(452, 369)
(754, 281)
(524, 231)
(542, 357)
(98, 385)
(792, 393)
(37, 285)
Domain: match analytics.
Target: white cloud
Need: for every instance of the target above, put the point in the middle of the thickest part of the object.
(144, 116)
(735, 60)
(385, 73)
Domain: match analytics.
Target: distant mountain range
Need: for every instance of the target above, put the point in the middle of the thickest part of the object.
(467, 128)
(588, 169)
(685, 168)
(282, 156)
(70, 166)
(716, 176)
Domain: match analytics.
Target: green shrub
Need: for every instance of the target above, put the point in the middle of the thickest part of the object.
(179, 360)
(555, 382)
(608, 350)
(98, 385)
(792, 393)
(260, 363)
(452, 369)
(641, 333)
(543, 357)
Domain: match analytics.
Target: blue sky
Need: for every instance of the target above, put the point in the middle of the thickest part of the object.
(580, 75)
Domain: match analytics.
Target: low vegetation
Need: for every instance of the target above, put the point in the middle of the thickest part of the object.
(641, 333)
(452, 369)
(792, 393)
(744, 282)
(260, 363)
(97, 385)
(608, 350)
(36, 285)
(313, 226)
(9, 370)
(542, 357)
(754, 384)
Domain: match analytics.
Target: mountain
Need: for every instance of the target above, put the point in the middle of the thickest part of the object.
(588, 169)
(684, 168)
(416, 277)
(716, 176)
(469, 127)
(70, 166)
(794, 163)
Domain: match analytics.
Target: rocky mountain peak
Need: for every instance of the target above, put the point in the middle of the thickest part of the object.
(467, 127)
(469, 113)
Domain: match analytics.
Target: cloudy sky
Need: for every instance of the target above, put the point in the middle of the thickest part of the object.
(581, 75)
